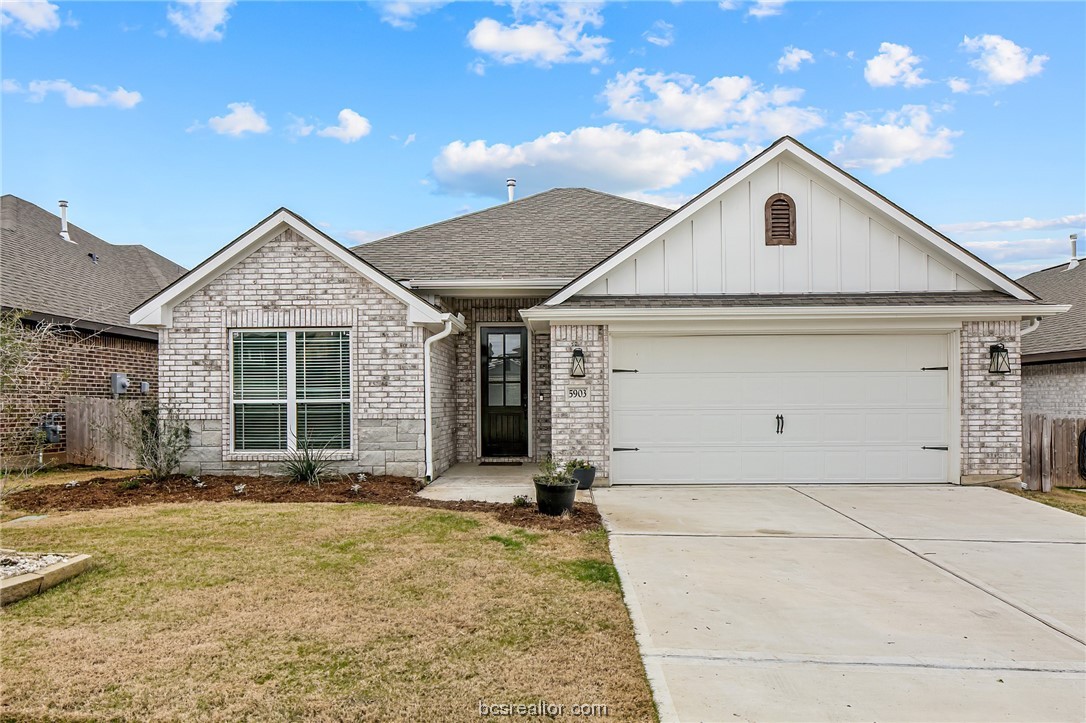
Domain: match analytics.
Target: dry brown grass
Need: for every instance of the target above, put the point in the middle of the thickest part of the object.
(1059, 497)
(240, 611)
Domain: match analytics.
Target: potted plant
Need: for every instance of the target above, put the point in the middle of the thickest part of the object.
(583, 472)
(555, 488)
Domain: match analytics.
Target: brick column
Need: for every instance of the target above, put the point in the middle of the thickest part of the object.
(991, 403)
(580, 423)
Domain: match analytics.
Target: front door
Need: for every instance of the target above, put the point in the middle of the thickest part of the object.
(504, 389)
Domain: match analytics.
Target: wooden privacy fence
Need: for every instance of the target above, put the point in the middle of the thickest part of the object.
(95, 429)
(1050, 451)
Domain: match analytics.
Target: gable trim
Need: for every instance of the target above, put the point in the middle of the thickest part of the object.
(156, 311)
(788, 144)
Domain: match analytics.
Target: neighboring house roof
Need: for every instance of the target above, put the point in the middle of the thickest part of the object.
(796, 151)
(1063, 335)
(556, 234)
(52, 278)
(157, 310)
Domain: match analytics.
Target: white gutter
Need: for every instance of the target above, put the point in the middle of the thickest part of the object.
(452, 323)
(544, 283)
(1033, 324)
(709, 313)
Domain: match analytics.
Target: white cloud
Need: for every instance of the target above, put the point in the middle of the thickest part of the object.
(241, 119)
(735, 107)
(756, 9)
(609, 158)
(793, 58)
(557, 35)
(667, 200)
(202, 20)
(29, 18)
(402, 14)
(351, 127)
(477, 66)
(661, 34)
(1021, 256)
(364, 237)
(409, 140)
(958, 85)
(299, 127)
(894, 65)
(75, 97)
(1001, 61)
(1022, 224)
(902, 137)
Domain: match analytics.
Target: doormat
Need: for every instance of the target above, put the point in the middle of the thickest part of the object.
(500, 464)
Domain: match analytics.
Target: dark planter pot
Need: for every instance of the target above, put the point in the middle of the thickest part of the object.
(555, 499)
(584, 477)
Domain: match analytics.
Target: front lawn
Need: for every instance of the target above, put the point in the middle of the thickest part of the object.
(241, 610)
(1059, 497)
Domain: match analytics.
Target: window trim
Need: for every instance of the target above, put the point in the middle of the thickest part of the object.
(770, 240)
(292, 392)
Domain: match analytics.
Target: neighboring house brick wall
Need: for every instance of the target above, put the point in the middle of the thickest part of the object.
(73, 363)
(580, 427)
(991, 403)
(291, 283)
(443, 403)
(1058, 390)
(495, 312)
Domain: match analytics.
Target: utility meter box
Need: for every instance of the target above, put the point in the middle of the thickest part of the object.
(118, 383)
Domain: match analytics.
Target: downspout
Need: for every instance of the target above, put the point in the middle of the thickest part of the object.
(428, 404)
(1033, 324)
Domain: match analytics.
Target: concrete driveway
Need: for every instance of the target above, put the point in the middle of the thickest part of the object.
(834, 602)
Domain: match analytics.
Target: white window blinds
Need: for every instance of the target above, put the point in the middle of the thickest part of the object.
(291, 389)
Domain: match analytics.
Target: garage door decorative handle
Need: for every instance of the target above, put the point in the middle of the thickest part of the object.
(780, 424)
(625, 449)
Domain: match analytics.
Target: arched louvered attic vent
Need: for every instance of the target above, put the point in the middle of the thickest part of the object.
(780, 220)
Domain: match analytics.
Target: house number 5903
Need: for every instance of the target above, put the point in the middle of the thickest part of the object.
(578, 393)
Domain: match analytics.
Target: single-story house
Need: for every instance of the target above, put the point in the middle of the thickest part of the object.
(788, 324)
(84, 288)
(1054, 355)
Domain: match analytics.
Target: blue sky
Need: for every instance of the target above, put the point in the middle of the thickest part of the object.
(180, 125)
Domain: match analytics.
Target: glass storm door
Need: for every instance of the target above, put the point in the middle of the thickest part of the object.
(504, 389)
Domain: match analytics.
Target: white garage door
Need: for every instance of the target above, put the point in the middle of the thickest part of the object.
(760, 409)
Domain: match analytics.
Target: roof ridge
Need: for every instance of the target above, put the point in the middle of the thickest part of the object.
(455, 218)
(1080, 259)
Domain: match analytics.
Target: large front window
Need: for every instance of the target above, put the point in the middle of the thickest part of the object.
(291, 389)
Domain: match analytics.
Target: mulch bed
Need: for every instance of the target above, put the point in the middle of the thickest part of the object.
(101, 493)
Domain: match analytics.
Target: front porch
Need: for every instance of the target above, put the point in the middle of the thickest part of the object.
(489, 483)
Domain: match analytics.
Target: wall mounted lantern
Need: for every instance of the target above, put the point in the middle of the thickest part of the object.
(576, 368)
(1000, 359)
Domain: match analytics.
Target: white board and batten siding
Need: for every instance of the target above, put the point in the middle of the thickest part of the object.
(843, 245)
(854, 408)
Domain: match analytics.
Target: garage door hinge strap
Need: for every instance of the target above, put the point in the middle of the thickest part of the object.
(934, 369)
(945, 449)
(624, 371)
(625, 449)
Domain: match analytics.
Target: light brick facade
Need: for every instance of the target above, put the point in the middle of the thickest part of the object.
(991, 403)
(443, 403)
(1057, 389)
(291, 283)
(580, 425)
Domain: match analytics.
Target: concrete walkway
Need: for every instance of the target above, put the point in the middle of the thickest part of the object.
(487, 483)
(809, 603)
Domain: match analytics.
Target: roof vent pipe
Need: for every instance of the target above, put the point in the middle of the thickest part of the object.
(1074, 252)
(64, 222)
(511, 185)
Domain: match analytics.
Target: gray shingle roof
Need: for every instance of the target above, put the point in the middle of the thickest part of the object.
(43, 274)
(764, 300)
(554, 234)
(1063, 332)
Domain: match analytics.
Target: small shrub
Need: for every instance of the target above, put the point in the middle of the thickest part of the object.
(551, 475)
(575, 464)
(522, 501)
(307, 465)
(129, 484)
(158, 435)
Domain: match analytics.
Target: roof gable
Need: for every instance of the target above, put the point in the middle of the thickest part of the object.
(552, 235)
(156, 311)
(850, 239)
